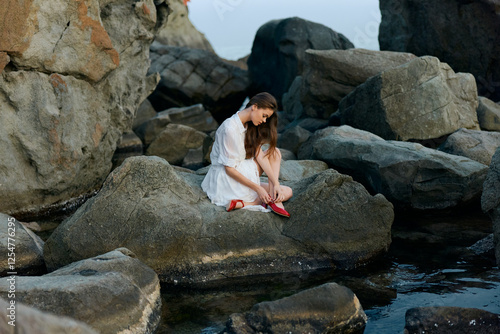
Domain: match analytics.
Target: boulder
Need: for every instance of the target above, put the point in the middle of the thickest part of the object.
(30, 320)
(22, 249)
(193, 159)
(278, 52)
(408, 174)
(144, 113)
(112, 293)
(457, 38)
(174, 143)
(194, 116)
(292, 138)
(450, 320)
(295, 170)
(191, 76)
(490, 199)
(76, 76)
(329, 75)
(419, 100)
(473, 144)
(164, 217)
(179, 31)
(328, 308)
(488, 114)
(129, 146)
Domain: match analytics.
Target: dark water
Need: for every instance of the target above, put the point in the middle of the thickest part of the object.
(428, 264)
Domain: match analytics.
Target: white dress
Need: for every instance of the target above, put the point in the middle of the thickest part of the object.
(229, 150)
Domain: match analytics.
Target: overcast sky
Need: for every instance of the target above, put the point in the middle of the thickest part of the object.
(230, 25)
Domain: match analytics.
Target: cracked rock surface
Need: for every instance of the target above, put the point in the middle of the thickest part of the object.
(165, 218)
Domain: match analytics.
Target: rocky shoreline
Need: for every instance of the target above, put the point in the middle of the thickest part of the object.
(99, 104)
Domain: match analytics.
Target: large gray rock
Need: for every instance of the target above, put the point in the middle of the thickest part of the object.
(129, 146)
(76, 76)
(408, 174)
(165, 218)
(329, 75)
(192, 76)
(278, 52)
(473, 144)
(30, 320)
(22, 249)
(450, 320)
(112, 293)
(488, 114)
(422, 99)
(179, 31)
(174, 143)
(457, 38)
(490, 199)
(144, 113)
(295, 170)
(329, 308)
(293, 137)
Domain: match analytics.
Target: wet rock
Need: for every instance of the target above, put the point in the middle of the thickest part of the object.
(422, 99)
(488, 114)
(22, 249)
(329, 308)
(174, 143)
(419, 27)
(473, 144)
(189, 240)
(448, 320)
(484, 246)
(191, 76)
(278, 52)
(490, 199)
(408, 174)
(329, 75)
(33, 321)
(112, 293)
(179, 31)
(76, 76)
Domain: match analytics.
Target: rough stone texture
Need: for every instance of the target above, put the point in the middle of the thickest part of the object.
(450, 320)
(278, 52)
(457, 38)
(165, 218)
(295, 170)
(422, 99)
(76, 76)
(28, 248)
(113, 293)
(174, 143)
(408, 174)
(129, 146)
(488, 114)
(293, 137)
(179, 31)
(191, 76)
(144, 113)
(329, 75)
(473, 144)
(329, 308)
(33, 321)
(292, 106)
(490, 199)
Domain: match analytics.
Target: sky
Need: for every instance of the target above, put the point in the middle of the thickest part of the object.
(231, 25)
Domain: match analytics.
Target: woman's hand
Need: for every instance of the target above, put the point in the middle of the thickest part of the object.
(277, 194)
(263, 195)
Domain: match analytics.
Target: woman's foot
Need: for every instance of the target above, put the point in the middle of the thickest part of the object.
(278, 209)
(235, 204)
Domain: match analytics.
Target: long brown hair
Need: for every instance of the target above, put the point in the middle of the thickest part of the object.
(267, 132)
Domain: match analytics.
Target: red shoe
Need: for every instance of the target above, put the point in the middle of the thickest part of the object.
(277, 210)
(232, 204)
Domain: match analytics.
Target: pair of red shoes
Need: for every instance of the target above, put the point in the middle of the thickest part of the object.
(272, 205)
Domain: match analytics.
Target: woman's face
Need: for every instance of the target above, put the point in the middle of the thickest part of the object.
(260, 115)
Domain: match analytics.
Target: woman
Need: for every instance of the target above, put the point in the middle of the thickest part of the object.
(238, 159)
